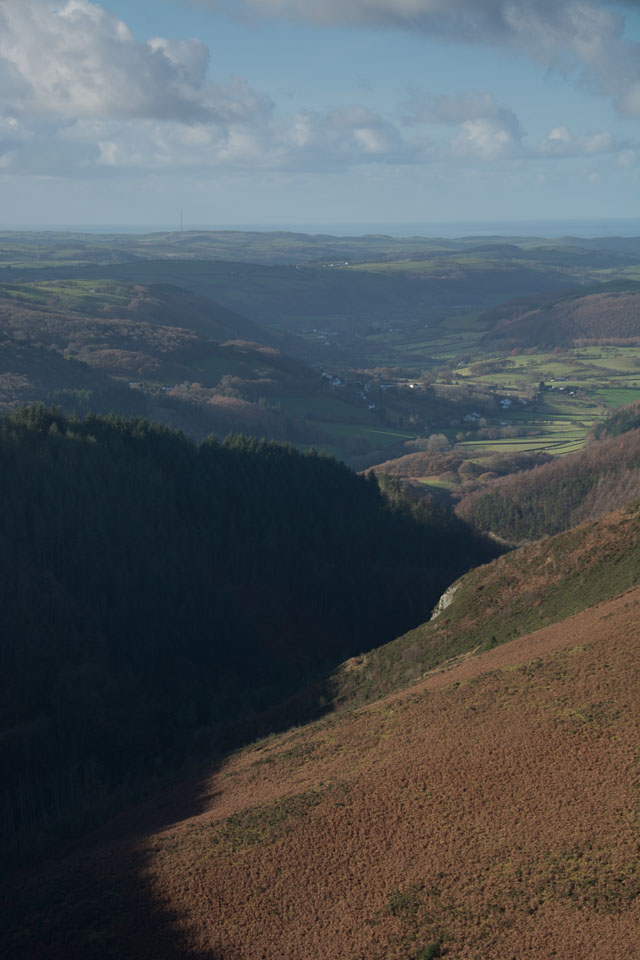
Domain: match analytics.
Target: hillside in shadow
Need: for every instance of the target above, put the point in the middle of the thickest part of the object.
(491, 805)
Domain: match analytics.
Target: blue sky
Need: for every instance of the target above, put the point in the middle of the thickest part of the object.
(312, 111)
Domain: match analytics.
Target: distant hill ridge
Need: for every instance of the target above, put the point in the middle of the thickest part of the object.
(160, 304)
(609, 315)
(86, 345)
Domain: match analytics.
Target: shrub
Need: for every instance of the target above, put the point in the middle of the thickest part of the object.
(430, 952)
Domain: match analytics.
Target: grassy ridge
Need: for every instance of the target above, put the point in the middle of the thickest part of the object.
(179, 358)
(191, 362)
(537, 585)
(158, 304)
(25, 248)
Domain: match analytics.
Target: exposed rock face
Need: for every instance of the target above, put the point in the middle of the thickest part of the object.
(445, 600)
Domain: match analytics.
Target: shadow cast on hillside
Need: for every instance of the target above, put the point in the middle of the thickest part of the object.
(94, 898)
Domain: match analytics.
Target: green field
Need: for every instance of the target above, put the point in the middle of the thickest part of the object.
(88, 296)
(614, 397)
(601, 378)
(555, 421)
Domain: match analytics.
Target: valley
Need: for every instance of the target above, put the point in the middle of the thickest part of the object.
(320, 573)
(319, 480)
(388, 349)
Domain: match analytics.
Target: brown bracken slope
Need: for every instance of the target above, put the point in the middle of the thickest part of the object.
(490, 812)
(573, 320)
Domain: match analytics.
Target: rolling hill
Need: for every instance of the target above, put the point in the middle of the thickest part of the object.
(352, 298)
(72, 315)
(272, 248)
(371, 298)
(153, 350)
(597, 317)
(288, 298)
(178, 358)
(288, 247)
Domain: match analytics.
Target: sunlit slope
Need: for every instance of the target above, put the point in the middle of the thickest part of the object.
(532, 587)
(571, 319)
(46, 310)
(80, 344)
(561, 494)
(498, 818)
(490, 812)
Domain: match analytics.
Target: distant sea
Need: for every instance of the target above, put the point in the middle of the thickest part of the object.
(628, 227)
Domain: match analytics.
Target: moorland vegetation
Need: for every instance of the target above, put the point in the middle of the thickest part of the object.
(490, 806)
(539, 584)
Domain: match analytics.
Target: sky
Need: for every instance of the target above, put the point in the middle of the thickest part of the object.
(242, 112)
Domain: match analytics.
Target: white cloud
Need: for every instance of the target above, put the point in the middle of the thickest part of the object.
(81, 97)
(348, 133)
(560, 143)
(74, 77)
(582, 35)
(487, 129)
(308, 140)
(485, 139)
(76, 58)
(627, 158)
(454, 109)
(311, 140)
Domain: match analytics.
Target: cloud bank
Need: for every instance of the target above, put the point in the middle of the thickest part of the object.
(81, 97)
(583, 36)
(79, 59)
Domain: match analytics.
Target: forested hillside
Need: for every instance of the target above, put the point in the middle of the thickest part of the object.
(621, 421)
(155, 351)
(51, 311)
(560, 494)
(611, 315)
(151, 588)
